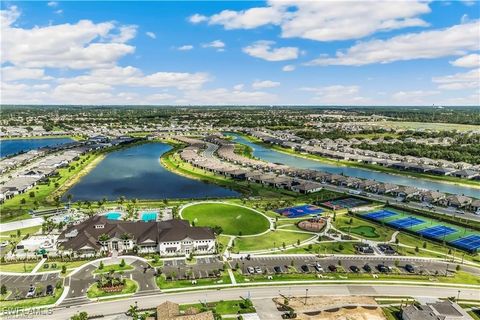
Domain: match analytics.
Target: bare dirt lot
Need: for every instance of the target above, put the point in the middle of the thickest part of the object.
(335, 308)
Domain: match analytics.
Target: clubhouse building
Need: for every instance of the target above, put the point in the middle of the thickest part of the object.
(168, 238)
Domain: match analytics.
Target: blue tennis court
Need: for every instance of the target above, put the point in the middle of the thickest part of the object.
(405, 222)
(379, 215)
(470, 243)
(437, 231)
(299, 211)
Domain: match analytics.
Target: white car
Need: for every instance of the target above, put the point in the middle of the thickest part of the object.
(258, 270)
(318, 267)
(31, 292)
(250, 270)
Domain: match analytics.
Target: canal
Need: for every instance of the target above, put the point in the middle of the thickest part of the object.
(274, 156)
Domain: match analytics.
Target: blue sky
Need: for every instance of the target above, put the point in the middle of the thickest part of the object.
(241, 53)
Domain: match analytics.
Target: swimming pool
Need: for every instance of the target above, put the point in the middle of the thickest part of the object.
(149, 216)
(113, 215)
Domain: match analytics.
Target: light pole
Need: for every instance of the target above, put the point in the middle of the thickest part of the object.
(458, 295)
(306, 295)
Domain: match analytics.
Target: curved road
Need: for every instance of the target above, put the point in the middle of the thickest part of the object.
(151, 301)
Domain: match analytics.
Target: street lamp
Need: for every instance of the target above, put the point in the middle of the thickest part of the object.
(458, 295)
(306, 295)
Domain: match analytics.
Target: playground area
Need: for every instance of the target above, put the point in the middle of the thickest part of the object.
(344, 203)
(300, 211)
(457, 236)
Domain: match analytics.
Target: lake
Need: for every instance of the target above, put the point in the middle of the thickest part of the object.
(274, 156)
(136, 172)
(12, 146)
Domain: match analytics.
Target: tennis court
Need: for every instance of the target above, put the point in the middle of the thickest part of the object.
(437, 232)
(405, 222)
(345, 203)
(299, 211)
(470, 243)
(379, 215)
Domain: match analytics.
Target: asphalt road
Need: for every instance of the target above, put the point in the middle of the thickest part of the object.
(150, 301)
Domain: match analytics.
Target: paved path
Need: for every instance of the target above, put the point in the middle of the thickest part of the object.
(39, 265)
(149, 301)
(14, 225)
(266, 309)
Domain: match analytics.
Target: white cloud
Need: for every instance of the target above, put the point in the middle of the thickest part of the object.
(15, 73)
(415, 97)
(151, 34)
(456, 40)
(186, 47)
(337, 95)
(238, 87)
(197, 18)
(82, 45)
(223, 96)
(288, 68)
(460, 81)
(218, 44)
(264, 50)
(130, 76)
(324, 20)
(468, 61)
(59, 11)
(265, 84)
(52, 4)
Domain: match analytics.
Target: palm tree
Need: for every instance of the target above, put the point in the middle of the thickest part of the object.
(69, 197)
(103, 237)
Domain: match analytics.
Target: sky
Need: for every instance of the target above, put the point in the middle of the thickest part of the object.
(241, 52)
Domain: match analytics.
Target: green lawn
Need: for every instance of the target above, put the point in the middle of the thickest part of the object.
(94, 292)
(363, 231)
(24, 231)
(162, 283)
(114, 268)
(67, 264)
(269, 240)
(324, 248)
(342, 222)
(220, 307)
(26, 267)
(234, 220)
(32, 302)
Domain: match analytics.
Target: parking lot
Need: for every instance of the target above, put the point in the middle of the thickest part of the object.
(204, 268)
(19, 284)
(357, 264)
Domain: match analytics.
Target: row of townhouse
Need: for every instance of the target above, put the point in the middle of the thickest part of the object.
(407, 163)
(48, 165)
(306, 180)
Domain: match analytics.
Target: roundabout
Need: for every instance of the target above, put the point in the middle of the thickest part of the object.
(234, 219)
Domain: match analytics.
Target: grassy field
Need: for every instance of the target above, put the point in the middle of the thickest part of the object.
(221, 307)
(26, 267)
(114, 268)
(272, 239)
(234, 220)
(324, 248)
(23, 232)
(33, 302)
(94, 292)
(342, 222)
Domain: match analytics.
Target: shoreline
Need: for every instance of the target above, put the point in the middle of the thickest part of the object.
(345, 163)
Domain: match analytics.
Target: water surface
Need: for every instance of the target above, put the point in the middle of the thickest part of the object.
(136, 172)
(12, 146)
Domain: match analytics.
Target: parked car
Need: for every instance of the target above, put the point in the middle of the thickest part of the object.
(31, 292)
(354, 269)
(318, 267)
(258, 270)
(409, 268)
(383, 268)
(251, 270)
(278, 269)
(49, 290)
(332, 268)
(305, 268)
(367, 268)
